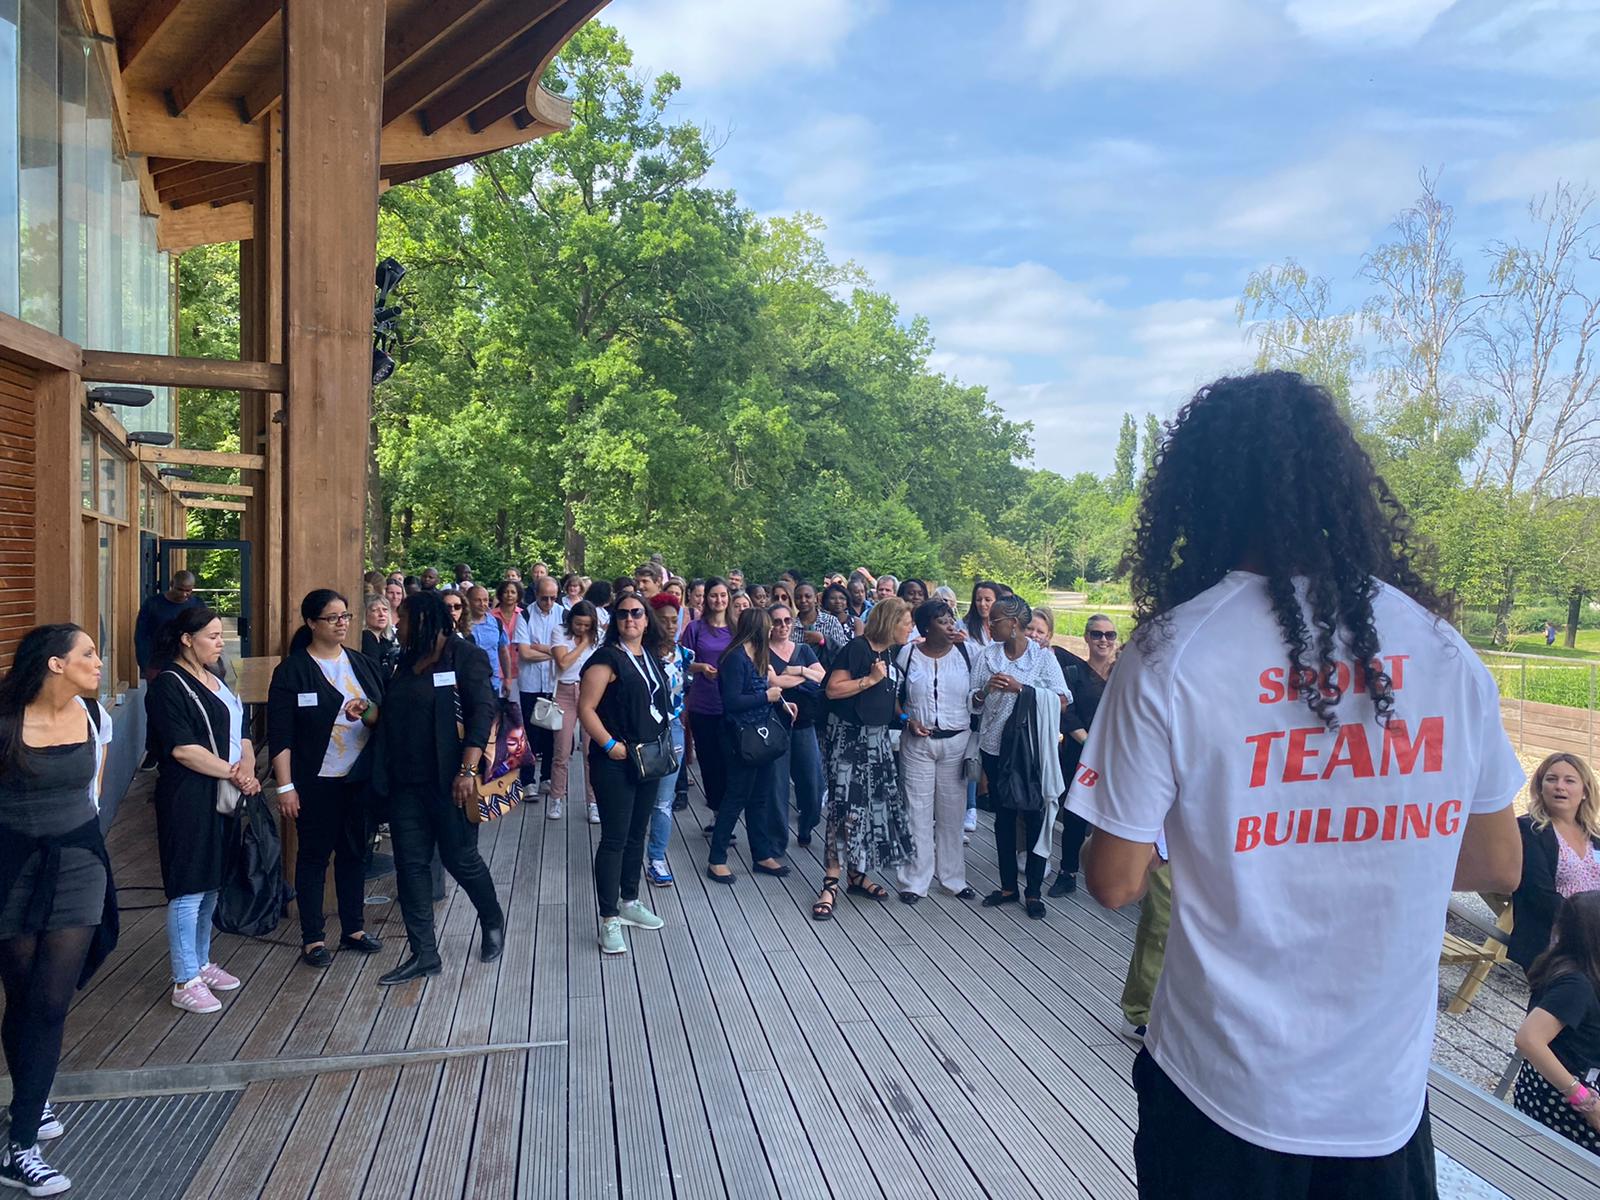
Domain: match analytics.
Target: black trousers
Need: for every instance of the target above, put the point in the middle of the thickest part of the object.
(1181, 1154)
(420, 822)
(752, 790)
(40, 973)
(541, 741)
(713, 756)
(625, 808)
(332, 821)
(1074, 829)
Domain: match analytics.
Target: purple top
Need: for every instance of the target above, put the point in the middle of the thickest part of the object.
(708, 642)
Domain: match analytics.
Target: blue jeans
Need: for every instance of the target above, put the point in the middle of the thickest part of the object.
(661, 817)
(802, 765)
(189, 933)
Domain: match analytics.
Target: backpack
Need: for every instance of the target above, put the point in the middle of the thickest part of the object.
(254, 897)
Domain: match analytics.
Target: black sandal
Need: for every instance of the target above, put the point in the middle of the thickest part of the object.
(996, 898)
(863, 884)
(1035, 907)
(910, 898)
(822, 910)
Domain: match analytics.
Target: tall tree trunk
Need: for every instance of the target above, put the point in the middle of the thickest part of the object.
(1502, 612)
(576, 543)
(408, 526)
(379, 515)
(502, 531)
(1574, 611)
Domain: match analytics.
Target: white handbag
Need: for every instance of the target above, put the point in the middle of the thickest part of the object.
(546, 714)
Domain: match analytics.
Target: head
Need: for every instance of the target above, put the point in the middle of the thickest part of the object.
(455, 607)
(648, 579)
(805, 601)
(422, 621)
(58, 659)
(1100, 634)
(463, 574)
(754, 631)
(678, 587)
(781, 617)
(540, 570)
(735, 578)
(478, 601)
(181, 589)
(1042, 626)
(598, 593)
(430, 579)
(194, 637)
(936, 622)
(1260, 472)
(394, 593)
(667, 609)
(760, 595)
(509, 595)
(739, 602)
(622, 585)
(948, 595)
(789, 578)
(717, 595)
(889, 623)
(545, 592)
(513, 575)
(782, 593)
(1009, 618)
(1575, 944)
(984, 593)
(572, 588)
(412, 585)
(887, 586)
(372, 583)
(1562, 788)
(631, 626)
(912, 591)
(396, 577)
(375, 610)
(582, 621)
(696, 596)
(857, 588)
(836, 600)
(324, 617)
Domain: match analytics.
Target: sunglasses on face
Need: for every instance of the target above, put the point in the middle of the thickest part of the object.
(1101, 635)
(782, 621)
(631, 614)
(454, 608)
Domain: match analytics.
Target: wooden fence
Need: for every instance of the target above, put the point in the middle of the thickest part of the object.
(1539, 729)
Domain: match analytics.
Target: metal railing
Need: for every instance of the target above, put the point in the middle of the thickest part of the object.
(1561, 682)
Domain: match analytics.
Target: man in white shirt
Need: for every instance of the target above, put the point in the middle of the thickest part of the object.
(536, 628)
(1327, 759)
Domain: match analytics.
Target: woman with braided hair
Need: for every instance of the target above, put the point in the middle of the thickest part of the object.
(1311, 736)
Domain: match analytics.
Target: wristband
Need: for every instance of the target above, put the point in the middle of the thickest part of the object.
(471, 771)
(278, 791)
(609, 746)
(1581, 1097)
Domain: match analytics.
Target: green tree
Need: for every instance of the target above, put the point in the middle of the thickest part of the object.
(1127, 451)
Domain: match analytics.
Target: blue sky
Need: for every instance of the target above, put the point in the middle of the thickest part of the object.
(1074, 191)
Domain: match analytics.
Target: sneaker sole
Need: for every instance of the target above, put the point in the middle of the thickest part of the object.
(46, 1190)
(226, 987)
(613, 953)
(641, 925)
(50, 1132)
(661, 883)
(203, 1012)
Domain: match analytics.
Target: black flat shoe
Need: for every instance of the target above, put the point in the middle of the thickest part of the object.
(727, 879)
(967, 893)
(1064, 885)
(365, 944)
(411, 968)
(910, 898)
(1035, 907)
(803, 842)
(317, 956)
(996, 899)
(780, 870)
(494, 942)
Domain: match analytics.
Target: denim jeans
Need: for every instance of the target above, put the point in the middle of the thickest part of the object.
(661, 817)
(189, 933)
(803, 766)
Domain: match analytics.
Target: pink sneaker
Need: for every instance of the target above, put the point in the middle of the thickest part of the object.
(195, 997)
(217, 979)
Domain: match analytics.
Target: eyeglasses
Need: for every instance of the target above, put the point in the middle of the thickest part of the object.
(341, 619)
(455, 608)
(631, 614)
(1100, 635)
(782, 621)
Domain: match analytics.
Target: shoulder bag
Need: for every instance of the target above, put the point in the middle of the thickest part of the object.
(227, 790)
(546, 714)
(657, 757)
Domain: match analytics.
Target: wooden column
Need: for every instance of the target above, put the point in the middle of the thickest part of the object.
(58, 521)
(261, 339)
(333, 100)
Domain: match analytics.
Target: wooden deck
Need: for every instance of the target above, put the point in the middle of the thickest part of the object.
(744, 1051)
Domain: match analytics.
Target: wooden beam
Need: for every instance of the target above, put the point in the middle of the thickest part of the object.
(58, 524)
(205, 187)
(218, 505)
(146, 27)
(513, 64)
(180, 229)
(177, 456)
(183, 173)
(505, 104)
(261, 96)
(408, 39)
(169, 370)
(35, 347)
(194, 487)
(161, 166)
(233, 39)
(472, 44)
(236, 196)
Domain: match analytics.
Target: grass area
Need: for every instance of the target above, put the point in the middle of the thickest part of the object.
(1533, 643)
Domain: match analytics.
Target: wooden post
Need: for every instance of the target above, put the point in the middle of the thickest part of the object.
(58, 520)
(333, 100)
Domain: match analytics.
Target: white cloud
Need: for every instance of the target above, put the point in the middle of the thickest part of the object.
(715, 42)
(1391, 22)
(1527, 173)
(1023, 309)
(1084, 39)
(1542, 37)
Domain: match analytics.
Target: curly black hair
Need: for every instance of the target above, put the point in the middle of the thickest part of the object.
(1261, 471)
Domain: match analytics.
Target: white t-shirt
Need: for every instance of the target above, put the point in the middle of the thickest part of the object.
(1311, 868)
(535, 628)
(348, 738)
(563, 639)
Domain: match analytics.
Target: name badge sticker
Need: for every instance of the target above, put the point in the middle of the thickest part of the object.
(307, 699)
(444, 679)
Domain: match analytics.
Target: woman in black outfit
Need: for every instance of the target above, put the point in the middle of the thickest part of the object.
(321, 707)
(378, 640)
(1560, 1038)
(1560, 845)
(427, 765)
(51, 931)
(623, 700)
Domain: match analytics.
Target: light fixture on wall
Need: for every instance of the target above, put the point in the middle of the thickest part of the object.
(120, 396)
(149, 437)
(175, 473)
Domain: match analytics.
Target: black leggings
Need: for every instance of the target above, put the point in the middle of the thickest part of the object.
(708, 748)
(40, 972)
(332, 822)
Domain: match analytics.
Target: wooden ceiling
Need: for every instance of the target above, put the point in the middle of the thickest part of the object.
(194, 81)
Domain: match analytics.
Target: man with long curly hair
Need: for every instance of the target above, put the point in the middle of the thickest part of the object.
(1325, 755)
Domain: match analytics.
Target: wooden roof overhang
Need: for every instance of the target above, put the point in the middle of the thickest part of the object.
(194, 80)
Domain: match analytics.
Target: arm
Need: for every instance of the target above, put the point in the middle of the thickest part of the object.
(1535, 899)
(243, 773)
(741, 690)
(1539, 1028)
(508, 674)
(202, 762)
(1115, 870)
(565, 656)
(281, 701)
(593, 684)
(1491, 853)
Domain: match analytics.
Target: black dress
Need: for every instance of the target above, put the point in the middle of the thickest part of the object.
(49, 798)
(189, 830)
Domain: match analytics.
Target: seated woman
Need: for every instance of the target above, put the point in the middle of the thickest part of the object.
(1560, 837)
(1560, 1038)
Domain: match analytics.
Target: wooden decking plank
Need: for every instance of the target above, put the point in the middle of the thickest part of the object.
(1497, 1116)
(591, 1128)
(453, 1124)
(294, 1176)
(244, 1154)
(542, 1156)
(344, 1170)
(1499, 1140)
(636, 1107)
(399, 1147)
(212, 1168)
(494, 1142)
(1488, 1165)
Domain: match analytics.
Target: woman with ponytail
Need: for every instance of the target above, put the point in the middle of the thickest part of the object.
(321, 707)
(57, 909)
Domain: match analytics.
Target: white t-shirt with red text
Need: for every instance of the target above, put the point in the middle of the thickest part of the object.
(1311, 867)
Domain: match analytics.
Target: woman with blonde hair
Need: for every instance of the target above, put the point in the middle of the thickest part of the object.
(1560, 851)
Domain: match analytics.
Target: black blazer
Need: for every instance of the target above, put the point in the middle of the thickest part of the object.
(304, 732)
(1534, 903)
(479, 708)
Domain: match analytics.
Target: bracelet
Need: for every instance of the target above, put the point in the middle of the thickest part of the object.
(287, 787)
(470, 772)
(609, 746)
(1581, 1098)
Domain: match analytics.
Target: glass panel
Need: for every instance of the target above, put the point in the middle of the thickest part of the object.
(86, 467)
(128, 188)
(113, 486)
(9, 227)
(40, 153)
(72, 86)
(101, 174)
(107, 567)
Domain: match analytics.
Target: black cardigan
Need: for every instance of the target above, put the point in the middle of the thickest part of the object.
(1534, 903)
(479, 708)
(305, 732)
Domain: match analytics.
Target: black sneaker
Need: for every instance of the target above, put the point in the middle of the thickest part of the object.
(49, 1124)
(1064, 885)
(23, 1168)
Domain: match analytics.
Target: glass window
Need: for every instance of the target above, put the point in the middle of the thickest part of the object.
(107, 566)
(72, 71)
(10, 234)
(86, 467)
(113, 485)
(39, 148)
(101, 172)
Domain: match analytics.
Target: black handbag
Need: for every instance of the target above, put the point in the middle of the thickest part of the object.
(763, 743)
(653, 760)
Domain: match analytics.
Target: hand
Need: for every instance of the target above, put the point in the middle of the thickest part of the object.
(815, 672)
(812, 638)
(878, 672)
(916, 728)
(792, 709)
(355, 709)
(464, 790)
(1593, 1117)
(617, 753)
(250, 786)
(961, 635)
(774, 694)
(289, 804)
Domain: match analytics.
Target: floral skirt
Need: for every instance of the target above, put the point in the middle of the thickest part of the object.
(866, 809)
(1535, 1097)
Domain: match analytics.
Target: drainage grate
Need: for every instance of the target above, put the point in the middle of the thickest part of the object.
(148, 1147)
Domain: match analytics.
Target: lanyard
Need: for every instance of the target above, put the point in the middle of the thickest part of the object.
(650, 683)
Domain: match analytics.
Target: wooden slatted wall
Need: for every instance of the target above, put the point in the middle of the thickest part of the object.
(17, 506)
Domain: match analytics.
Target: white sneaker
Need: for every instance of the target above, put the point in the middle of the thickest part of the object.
(1132, 1031)
(970, 825)
(594, 814)
(554, 811)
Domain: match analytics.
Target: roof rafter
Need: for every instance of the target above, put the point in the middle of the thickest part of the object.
(475, 43)
(257, 17)
(144, 29)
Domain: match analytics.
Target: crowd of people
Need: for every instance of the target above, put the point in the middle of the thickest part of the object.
(1221, 766)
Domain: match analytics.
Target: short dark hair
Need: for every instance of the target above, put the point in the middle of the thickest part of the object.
(929, 611)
